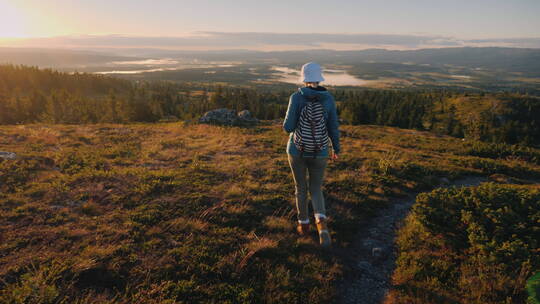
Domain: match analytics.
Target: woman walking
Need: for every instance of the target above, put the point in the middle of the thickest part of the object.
(311, 120)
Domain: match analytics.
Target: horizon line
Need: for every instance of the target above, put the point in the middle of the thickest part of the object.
(206, 40)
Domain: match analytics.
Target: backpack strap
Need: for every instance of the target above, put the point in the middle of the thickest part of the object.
(315, 98)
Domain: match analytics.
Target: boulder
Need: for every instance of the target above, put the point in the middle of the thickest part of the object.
(228, 117)
(221, 116)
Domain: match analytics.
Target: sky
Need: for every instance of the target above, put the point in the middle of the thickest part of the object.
(340, 24)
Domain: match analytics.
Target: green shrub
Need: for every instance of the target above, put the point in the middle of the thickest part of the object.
(533, 288)
(76, 161)
(478, 244)
(16, 173)
(502, 150)
(37, 286)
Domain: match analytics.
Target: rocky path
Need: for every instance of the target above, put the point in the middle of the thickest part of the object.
(373, 254)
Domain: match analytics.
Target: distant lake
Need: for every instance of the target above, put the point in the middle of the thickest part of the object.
(135, 71)
(461, 76)
(158, 65)
(147, 62)
(331, 76)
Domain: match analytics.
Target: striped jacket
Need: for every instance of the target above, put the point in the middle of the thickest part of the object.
(296, 102)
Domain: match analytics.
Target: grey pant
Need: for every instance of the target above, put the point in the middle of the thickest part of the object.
(315, 167)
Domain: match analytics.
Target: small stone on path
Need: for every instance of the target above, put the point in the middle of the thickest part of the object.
(8, 155)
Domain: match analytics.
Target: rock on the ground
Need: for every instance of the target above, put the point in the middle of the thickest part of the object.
(444, 181)
(377, 252)
(169, 118)
(8, 155)
(502, 179)
(277, 121)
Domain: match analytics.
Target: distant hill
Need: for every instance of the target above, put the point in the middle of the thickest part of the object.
(510, 59)
(52, 58)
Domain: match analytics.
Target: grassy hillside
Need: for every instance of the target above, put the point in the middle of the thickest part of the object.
(496, 118)
(158, 213)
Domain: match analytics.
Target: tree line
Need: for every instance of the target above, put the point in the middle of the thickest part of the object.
(31, 95)
(494, 117)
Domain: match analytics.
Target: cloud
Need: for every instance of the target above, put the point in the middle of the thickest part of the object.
(268, 40)
(515, 42)
(316, 39)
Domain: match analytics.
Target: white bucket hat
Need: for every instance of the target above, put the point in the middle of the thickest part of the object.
(311, 72)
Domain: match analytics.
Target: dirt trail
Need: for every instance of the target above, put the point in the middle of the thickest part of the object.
(373, 254)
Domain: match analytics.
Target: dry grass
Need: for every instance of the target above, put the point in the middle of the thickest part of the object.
(198, 213)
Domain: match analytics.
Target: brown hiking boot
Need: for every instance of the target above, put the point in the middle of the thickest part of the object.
(324, 235)
(303, 229)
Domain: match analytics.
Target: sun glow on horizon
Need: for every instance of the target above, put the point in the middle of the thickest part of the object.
(11, 22)
(20, 20)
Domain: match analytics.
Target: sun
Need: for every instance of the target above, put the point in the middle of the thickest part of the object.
(11, 21)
